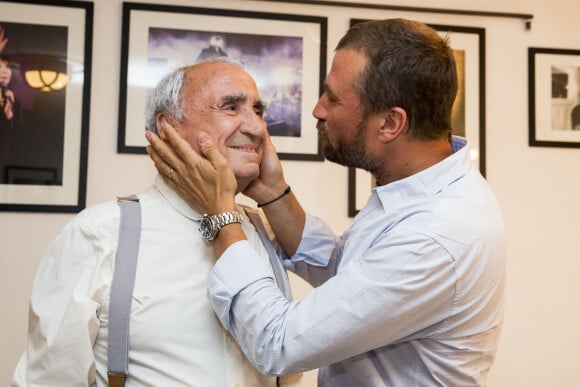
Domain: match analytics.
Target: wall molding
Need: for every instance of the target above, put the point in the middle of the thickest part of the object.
(526, 17)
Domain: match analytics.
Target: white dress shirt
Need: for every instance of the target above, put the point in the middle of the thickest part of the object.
(175, 337)
(410, 295)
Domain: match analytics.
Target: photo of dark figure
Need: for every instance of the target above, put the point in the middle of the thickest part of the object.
(565, 93)
(9, 106)
(559, 85)
(458, 110)
(275, 62)
(575, 117)
(31, 120)
(214, 50)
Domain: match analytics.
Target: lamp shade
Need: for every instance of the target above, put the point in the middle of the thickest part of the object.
(46, 80)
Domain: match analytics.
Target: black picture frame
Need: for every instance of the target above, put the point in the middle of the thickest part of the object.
(554, 97)
(297, 138)
(469, 45)
(44, 149)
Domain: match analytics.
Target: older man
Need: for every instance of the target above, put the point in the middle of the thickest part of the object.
(175, 338)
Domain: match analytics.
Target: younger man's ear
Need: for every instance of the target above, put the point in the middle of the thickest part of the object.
(394, 124)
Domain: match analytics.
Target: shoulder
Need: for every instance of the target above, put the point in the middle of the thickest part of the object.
(94, 224)
(98, 214)
(85, 241)
(106, 213)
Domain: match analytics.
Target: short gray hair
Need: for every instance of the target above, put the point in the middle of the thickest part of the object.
(166, 99)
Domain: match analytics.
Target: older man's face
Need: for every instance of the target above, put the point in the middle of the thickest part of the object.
(223, 100)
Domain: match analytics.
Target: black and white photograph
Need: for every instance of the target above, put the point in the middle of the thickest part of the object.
(554, 77)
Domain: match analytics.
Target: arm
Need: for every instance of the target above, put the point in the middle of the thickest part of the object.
(3, 40)
(8, 103)
(378, 299)
(375, 300)
(285, 215)
(200, 181)
(63, 319)
(315, 260)
(208, 185)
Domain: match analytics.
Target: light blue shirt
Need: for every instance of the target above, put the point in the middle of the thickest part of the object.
(410, 295)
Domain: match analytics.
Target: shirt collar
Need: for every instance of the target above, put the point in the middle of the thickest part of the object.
(429, 181)
(175, 200)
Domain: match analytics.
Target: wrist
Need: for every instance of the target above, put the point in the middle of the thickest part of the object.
(211, 225)
(276, 198)
(222, 206)
(267, 193)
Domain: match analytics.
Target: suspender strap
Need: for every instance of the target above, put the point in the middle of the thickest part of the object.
(277, 268)
(122, 289)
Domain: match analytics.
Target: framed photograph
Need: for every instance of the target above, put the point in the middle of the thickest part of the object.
(554, 97)
(45, 73)
(285, 54)
(360, 185)
(468, 115)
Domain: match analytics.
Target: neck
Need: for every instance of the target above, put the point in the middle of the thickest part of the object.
(407, 157)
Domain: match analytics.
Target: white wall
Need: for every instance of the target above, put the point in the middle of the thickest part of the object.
(537, 187)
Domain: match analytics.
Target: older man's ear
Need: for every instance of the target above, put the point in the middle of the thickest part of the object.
(163, 122)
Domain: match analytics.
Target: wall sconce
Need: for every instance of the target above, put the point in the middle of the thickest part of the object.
(46, 80)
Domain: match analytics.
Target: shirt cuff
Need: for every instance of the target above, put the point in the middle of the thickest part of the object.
(312, 248)
(239, 266)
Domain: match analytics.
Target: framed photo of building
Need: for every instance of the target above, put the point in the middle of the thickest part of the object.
(45, 73)
(284, 53)
(554, 97)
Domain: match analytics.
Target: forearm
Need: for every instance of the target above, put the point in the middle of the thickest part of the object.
(286, 218)
(325, 327)
(226, 237)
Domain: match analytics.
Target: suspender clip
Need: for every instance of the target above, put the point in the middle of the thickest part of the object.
(116, 379)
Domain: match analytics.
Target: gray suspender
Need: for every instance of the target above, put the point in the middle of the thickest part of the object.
(124, 281)
(122, 289)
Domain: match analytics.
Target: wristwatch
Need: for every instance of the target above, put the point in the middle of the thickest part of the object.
(210, 225)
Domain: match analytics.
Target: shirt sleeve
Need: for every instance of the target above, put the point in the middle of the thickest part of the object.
(63, 323)
(379, 298)
(315, 258)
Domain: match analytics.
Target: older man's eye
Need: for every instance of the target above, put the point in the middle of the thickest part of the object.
(260, 109)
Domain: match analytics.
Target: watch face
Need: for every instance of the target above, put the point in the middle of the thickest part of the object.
(210, 225)
(207, 228)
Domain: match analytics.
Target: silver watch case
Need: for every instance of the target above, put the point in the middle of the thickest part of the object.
(210, 225)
